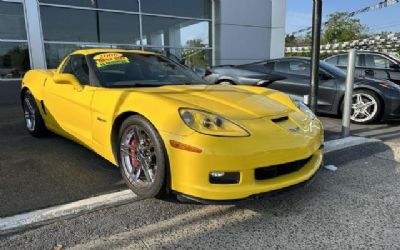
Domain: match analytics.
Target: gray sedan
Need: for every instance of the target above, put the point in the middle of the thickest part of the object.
(373, 100)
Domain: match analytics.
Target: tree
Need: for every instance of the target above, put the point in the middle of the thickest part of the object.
(195, 57)
(342, 28)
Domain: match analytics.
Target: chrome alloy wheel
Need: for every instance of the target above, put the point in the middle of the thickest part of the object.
(364, 107)
(138, 157)
(29, 114)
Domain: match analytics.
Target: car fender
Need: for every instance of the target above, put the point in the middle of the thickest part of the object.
(35, 81)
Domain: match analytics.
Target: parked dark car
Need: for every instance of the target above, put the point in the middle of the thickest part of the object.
(371, 64)
(373, 99)
(240, 74)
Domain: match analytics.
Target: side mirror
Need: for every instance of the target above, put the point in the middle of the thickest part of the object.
(394, 66)
(64, 78)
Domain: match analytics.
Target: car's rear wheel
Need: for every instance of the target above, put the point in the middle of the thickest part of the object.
(142, 157)
(226, 82)
(366, 107)
(33, 120)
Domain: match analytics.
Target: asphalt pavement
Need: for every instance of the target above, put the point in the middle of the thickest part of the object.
(39, 173)
(355, 207)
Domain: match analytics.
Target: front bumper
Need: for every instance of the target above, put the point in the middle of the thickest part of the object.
(190, 171)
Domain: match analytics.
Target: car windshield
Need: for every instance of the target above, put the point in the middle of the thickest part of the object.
(128, 69)
(337, 72)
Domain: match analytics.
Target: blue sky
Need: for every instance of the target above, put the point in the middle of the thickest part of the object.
(299, 13)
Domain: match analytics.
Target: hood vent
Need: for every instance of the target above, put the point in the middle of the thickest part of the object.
(280, 119)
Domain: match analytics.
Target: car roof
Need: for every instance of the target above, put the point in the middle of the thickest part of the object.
(95, 51)
(361, 52)
(291, 57)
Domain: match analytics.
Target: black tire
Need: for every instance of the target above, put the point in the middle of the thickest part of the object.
(157, 188)
(34, 122)
(376, 110)
(226, 82)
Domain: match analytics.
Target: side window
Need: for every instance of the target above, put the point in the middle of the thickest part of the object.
(332, 60)
(293, 67)
(77, 65)
(270, 66)
(343, 60)
(376, 61)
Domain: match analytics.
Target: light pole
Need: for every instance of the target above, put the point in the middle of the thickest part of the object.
(315, 53)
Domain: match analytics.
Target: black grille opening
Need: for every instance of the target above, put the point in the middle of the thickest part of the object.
(270, 172)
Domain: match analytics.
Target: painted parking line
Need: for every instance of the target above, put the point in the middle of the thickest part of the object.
(335, 145)
(48, 215)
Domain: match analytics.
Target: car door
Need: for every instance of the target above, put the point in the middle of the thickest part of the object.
(380, 67)
(298, 81)
(70, 108)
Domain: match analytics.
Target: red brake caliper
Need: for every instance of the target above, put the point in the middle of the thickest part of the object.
(133, 150)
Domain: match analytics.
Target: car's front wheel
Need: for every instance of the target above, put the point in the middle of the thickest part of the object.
(33, 120)
(366, 107)
(142, 157)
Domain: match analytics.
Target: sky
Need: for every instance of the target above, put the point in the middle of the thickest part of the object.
(299, 14)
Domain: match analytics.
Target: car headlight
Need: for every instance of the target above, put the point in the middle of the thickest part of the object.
(211, 124)
(303, 107)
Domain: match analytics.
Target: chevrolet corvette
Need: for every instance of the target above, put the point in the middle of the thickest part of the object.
(171, 132)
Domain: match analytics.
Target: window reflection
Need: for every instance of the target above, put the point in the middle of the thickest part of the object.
(14, 60)
(89, 26)
(128, 5)
(12, 23)
(195, 58)
(55, 53)
(185, 8)
(162, 31)
(63, 24)
(80, 3)
(119, 28)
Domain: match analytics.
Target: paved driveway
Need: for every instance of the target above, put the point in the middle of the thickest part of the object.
(356, 207)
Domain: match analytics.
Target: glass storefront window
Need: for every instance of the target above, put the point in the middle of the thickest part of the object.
(55, 53)
(80, 3)
(12, 23)
(128, 5)
(89, 26)
(14, 60)
(119, 28)
(63, 24)
(184, 8)
(163, 31)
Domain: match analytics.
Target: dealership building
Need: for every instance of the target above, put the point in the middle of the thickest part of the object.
(39, 33)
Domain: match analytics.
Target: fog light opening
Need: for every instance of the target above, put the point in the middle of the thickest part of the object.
(217, 174)
(218, 177)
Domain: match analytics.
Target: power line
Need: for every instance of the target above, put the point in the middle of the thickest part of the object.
(378, 6)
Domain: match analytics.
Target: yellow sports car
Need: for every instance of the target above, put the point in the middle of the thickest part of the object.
(169, 131)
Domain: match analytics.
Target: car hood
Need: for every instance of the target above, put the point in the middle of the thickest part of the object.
(230, 101)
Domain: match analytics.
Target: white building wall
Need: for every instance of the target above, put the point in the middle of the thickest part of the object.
(249, 30)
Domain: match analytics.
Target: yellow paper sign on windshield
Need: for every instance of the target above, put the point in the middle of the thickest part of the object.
(110, 59)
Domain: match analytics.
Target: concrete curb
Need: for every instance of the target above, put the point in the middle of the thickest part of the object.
(48, 215)
(335, 145)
